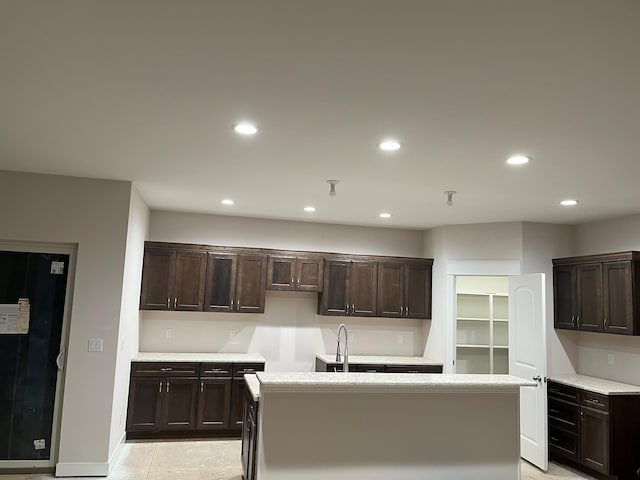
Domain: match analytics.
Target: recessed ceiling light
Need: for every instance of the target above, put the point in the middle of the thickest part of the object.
(310, 209)
(518, 160)
(384, 215)
(568, 203)
(245, 128)
(389, 145)
(227, 201)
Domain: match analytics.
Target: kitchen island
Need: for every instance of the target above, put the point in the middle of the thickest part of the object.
(375, 426)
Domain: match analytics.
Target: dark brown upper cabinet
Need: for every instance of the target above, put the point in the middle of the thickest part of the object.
(350, 288)
(173, 279)
(404, 289)
(235, 282)
(597, 293)
(301, 273)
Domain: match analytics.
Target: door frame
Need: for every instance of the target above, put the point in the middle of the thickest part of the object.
(483, 268)
(70, 249)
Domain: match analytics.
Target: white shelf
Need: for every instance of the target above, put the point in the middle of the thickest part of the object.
(482, 332)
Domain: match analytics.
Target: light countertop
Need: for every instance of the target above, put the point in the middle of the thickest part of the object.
(381, 360)
(253, 385)
(597, 385)
(199, 357)
(381, 382)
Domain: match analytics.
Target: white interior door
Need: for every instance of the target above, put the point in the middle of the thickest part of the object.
(528, 360)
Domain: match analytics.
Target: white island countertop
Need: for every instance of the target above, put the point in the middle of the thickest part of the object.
(198, 357)
(381, 382)
(596, 385)
(380, 360)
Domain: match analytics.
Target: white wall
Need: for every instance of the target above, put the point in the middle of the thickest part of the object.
(290, 333)
(253, 232)
(129, 317)
(540, 244)
(456, 243)
(613, 235)
(92, 214)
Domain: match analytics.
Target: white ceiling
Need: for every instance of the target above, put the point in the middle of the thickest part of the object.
(147, 91)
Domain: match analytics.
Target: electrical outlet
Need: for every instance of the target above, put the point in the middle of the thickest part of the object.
(233, 334)
(95, 344)
(168, 333)
(400, 339)
(611, 359)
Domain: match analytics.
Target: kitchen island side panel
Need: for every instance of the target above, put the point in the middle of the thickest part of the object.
(376, 436)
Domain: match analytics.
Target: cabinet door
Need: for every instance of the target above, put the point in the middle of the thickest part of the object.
(237, 403)
(589, 297)
(617, 297)
(309, 274)
(180, 400)
(281, 273)
(188, 289)
(363, 289)
(391, 290)
(417, 286)
(145, 409)
(251, 283)
(214, 404)
(221, 282)
(157, 277)
(336, 280)
(564, 297)
(594, 440)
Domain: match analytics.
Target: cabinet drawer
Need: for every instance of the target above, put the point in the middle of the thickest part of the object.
(594, 400)
(564, 444)
(564, 415)
(362, 367)
(172, 369)
(413, 369)
(563, 392)
(239, 369)
(215, 370)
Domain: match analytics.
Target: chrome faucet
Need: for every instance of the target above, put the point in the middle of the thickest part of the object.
(345, 359)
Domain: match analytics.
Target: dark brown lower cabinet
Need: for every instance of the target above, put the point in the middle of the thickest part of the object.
(207, 403)
(594, 432)
(214, 403)
(249, 436)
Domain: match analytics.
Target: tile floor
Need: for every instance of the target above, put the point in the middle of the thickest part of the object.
(219, 460)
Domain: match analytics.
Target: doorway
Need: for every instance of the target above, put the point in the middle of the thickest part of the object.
(34, 298)
(482, 324)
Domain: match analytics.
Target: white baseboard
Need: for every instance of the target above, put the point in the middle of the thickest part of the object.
(82, 469)
(96, 469)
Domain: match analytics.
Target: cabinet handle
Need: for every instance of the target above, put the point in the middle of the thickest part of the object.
(593, 400)
(401, 311)
(406, 311)
(175, 302)
(291, 281)
(167, 386)
(353, 308)
(573, 321)
(555, 412)
(605, 323)
(554, 439)
(232, 305)
(581, 415)
(298, 281)
(346, 307)
(578, 320)
(160, 388)
(201, 387)
(168, 303)
(166, 369)
(237, 305)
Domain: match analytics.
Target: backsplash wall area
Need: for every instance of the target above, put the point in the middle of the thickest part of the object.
(289, 334)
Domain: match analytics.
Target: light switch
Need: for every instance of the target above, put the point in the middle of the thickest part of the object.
(95, 344)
